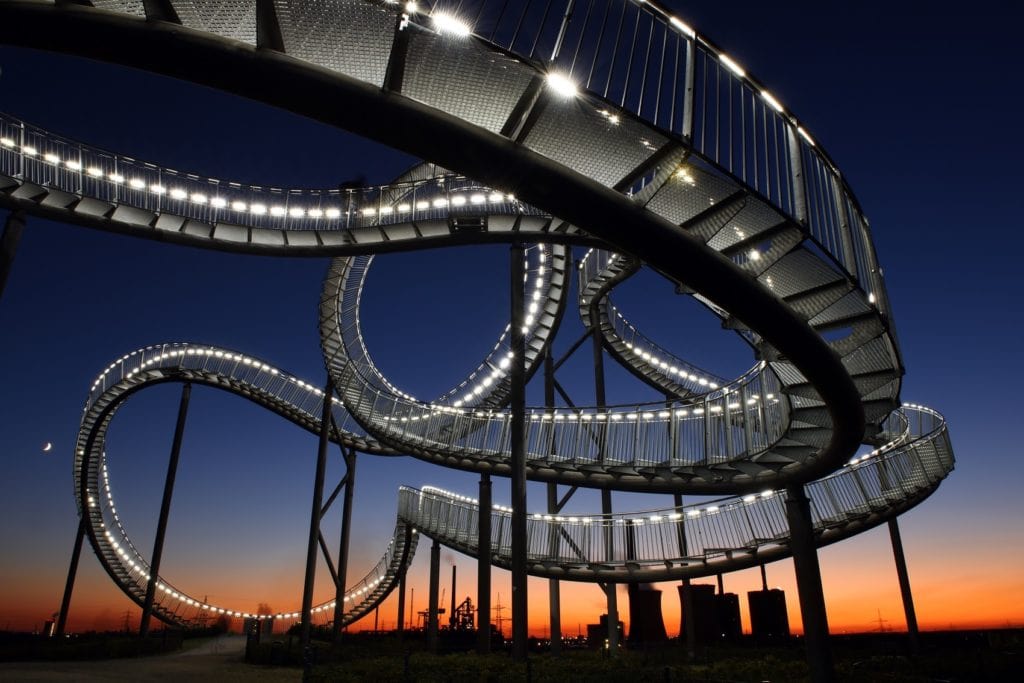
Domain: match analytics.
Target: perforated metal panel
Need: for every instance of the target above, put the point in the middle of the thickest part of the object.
(575, 134)
(798, 272)
(352, 37)
(755, 218)
(464, 78)
(125, 6)
(689, 193)
(234, 19)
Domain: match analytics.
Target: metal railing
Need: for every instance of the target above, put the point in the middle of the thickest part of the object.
(640, 351)
(880, 483)
(243, 375)
(34, 155)
(717, 427)
(639, 56)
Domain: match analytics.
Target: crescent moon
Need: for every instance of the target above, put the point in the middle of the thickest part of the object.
(48, 447)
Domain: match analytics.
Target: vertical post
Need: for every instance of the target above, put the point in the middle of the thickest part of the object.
(796, 179)
(435, 579)
(554, 587)
(69, 585)
(314, 517)
(346, 535)
(561, 31)
(904, 578)
(483, 568)
(451, 610)
(518, 448)
(165, 510)
(764, 578)
(9, 244)
(688, 89)
(849, 259)
(689, 622)
(808, 581)
(611, 589)
(401, 603)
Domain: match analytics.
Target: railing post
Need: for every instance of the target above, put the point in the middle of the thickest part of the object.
(796, 178)
(165, 510)
(566, 18)
(689, 90)
(483, 568)
(808, 579)
(849, 255)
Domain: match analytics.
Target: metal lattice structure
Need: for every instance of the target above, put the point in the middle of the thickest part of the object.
(616, 128)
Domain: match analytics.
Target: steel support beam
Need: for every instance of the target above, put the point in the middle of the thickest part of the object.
(69, 585)
(689, 624)
(400, 622)
(346, 535)
(905, 592)
(517, 406)
(435, 580)
(483, 568)
(429, 133)
(554, 587)
(808, 581)
(165, 511)
(13, 228)
(314, 517)
(611, 588)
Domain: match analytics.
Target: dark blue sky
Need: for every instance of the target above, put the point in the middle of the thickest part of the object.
(919, 105)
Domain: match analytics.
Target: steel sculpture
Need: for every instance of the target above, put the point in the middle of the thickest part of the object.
(547, 125)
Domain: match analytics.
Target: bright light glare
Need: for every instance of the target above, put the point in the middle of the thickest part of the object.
(450, 24)
(686, 29)
(770, 99)
(733, 66)
(562, 84)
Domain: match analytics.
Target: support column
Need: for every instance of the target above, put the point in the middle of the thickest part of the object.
(483, 568)
(904, 578)
(9, 244)
(314, 517)
(346, 534)
(165, 511)
(554, 587)
(435, 580)
(606, 495)
(689, 623)
(808, 581)
(69, 585)
(401, 603)
(611, 589)
(517, 405)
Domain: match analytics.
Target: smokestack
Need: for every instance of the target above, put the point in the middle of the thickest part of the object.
(451, 614)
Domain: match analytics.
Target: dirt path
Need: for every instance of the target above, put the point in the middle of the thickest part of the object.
(218, 659)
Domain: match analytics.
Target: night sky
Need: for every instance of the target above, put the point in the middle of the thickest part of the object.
(918, 105)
